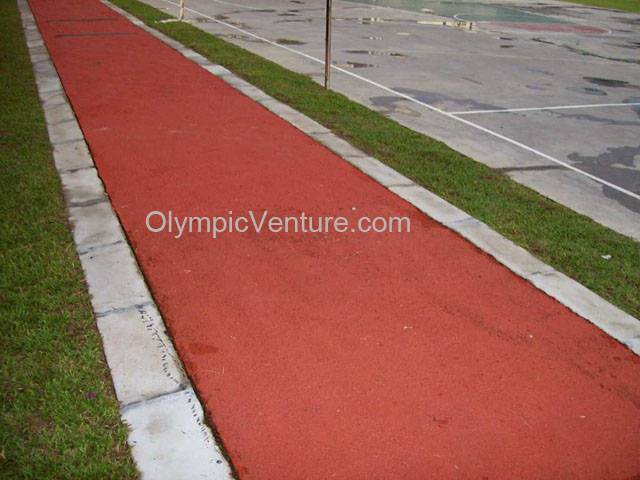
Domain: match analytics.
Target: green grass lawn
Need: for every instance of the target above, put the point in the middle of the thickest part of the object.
(624, 5)
(59, 417)
(570, 242)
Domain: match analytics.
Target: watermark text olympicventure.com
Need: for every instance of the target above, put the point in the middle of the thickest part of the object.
(264, 222)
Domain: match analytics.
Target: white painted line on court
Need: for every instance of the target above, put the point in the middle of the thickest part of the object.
(237, 5)
(423, 104)
(555, 107)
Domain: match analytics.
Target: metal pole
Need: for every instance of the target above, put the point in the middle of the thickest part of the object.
(181, 14)
(327, 48)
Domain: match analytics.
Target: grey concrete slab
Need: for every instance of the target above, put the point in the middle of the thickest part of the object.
(252, 92)
(142, 360)
(159, 35)
(48, 84)
(604, 142)
(492, 66)
(44, 67)
(565, 187)
(337, 145)
(49, 99)
(38, 50)
(95, 225)
(66, 131)
(58, 114)
(237, 82)
(217, 70)
(35, 43)
(82, 187)
(304, 123)
(271, 104)
(431, 204)
(113, 278)
(39, 57)
(163, 37)
(380, 172)
(169, 442)
(195, 57)
(72, 156)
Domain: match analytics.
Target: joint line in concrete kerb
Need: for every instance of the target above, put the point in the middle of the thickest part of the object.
(85, 203)
(128, 308)
(181, 389)
(94, 248)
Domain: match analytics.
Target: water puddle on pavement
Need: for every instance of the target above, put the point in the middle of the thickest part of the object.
(289, 41)
(376, 53)
(354, 65)
(588, 91)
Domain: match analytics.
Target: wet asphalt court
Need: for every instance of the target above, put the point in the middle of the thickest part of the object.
(521, 55)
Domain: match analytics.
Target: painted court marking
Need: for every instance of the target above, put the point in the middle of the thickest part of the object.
(423, 104)
(556, 107)
(237, 5)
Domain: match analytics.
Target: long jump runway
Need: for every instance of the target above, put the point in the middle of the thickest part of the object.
(332, 356)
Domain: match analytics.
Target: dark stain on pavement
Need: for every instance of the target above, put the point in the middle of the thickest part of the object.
(289, 41)
(628, 21)
(376, 53)
(586, 53)
(295, 20)
(350, 64)
(535, 168)
(604, 120)
(588, 90)
(431, 98)
(618, 166)
(608, 82)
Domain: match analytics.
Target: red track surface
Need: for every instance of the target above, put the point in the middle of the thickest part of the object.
(348, 356)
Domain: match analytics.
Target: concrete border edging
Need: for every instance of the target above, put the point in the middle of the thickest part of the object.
(607, 317)
(167, 431)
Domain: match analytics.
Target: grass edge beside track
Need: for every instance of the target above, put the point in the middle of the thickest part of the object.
(59, 418)
(570, 242)
(631, 6)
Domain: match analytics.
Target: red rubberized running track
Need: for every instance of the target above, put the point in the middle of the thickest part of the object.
(351, 356)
